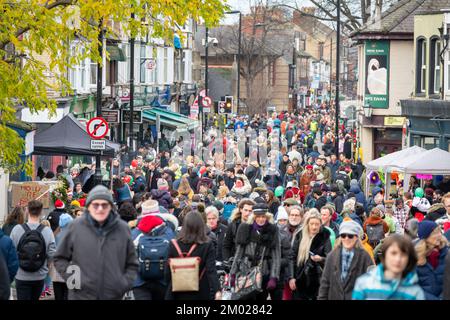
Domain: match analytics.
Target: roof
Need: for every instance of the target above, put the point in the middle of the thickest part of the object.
(399, 18)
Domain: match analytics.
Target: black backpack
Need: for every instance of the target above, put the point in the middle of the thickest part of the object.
(31, 250)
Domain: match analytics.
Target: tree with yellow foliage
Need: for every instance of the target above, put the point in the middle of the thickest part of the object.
(32, 28)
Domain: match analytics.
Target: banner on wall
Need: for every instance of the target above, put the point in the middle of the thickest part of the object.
(377, 74)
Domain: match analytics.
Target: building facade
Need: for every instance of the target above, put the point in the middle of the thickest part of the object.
(428, 112)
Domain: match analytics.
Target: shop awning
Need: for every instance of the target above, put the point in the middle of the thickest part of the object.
(149, 116)
(172, 118)
(115, 53)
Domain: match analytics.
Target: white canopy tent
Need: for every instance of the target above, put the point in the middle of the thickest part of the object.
(393, 158)
(435, 162)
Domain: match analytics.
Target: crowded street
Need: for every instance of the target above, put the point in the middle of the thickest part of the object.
(190, 186)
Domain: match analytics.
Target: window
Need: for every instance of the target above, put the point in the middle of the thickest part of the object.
(166, 64)
(320, 50)
(146, 57)
(271, 74)
(448, 71)
(421, 65)
(93, 72)
(435, 66)
(83, 71)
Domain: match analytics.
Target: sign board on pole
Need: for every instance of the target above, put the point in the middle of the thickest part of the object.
(377, 74)
(98, 144)
(206, 103)
(97, 128)
(137, 116)
(195, 108)
(111, 116)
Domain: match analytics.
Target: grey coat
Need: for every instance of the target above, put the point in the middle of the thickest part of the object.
(106, 258)
(331, 285)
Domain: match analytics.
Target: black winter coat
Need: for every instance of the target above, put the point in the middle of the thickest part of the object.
(220, 234)
(250, 244)
(229, 244)
(308, 274)
(331, 285)
(286, 252)
(209, 283)
(152, 182)
(320, 202)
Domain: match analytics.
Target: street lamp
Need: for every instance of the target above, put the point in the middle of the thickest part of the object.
(238, 94)
(367, 111)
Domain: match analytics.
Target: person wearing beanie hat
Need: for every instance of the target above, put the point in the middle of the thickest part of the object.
(431, 250)
(162, 194)
(150, 207)
(344, 264)
(259, 240)
(99, 242)
(53, 217)
(75, 203)
(282, 216)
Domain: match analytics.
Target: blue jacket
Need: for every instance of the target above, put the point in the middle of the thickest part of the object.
(431, 280)
(359, 196)
(373, 286)
(8, 250)
(356, 218)
(123, 194)
(334, 168)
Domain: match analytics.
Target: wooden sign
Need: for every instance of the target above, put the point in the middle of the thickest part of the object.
(24, 192)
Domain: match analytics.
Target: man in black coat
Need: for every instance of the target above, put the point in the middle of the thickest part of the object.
(321, 199)
(219, 229)
(152, 176)
(4, 279)
(230, 178)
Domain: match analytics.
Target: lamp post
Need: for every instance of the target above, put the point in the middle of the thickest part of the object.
(98, 171)
(338, 47)
(238, 93)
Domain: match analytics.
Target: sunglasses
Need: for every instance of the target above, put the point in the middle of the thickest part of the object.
(350, 236)
(96, 206)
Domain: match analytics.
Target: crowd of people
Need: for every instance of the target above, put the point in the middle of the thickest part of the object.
(288, 222)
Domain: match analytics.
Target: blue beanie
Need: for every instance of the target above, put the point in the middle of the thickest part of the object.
(375, 191)
(426, 227)
(64, 220)
(184, 170)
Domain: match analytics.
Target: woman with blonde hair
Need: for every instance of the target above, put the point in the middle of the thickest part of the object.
(431, 250)
(222, 192)
(309, 251)
(185, 188)
(344, 264)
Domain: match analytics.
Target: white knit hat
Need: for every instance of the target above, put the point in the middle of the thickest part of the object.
(150, 207)
(282, 214)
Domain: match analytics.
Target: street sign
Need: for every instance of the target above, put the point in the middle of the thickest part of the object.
(98, 144)
(97, 128)
(194, 108)
(202, 93)
(151, 64)
(206, 102)
(111, 116)
(137, 116)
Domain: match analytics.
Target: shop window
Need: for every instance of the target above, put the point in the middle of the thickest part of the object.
(430, 142)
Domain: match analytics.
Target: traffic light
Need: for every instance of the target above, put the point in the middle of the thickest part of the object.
(228, 104)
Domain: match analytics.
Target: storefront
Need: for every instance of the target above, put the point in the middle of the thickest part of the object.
(381, 135)
(428, 124)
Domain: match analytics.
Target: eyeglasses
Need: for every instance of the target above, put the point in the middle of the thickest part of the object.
(350, 236)
(96, 206)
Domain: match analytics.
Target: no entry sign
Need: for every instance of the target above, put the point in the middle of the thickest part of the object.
(97, 128)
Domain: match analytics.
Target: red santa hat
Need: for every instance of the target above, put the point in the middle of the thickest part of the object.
(59, 204)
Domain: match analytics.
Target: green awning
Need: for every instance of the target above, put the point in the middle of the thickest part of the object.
(115, 53)
(149, 116)
(175, 119)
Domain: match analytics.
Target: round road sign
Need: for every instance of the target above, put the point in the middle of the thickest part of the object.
(206, 102)
(97, 128)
